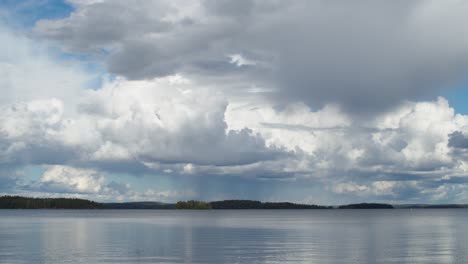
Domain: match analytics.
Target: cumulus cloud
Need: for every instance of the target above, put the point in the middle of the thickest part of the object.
(367, 56)
(398, 154)
(413, 136)
(60, 180)
(71, 180)
(141, 123)
(170, 123)
(170, 126)
(29, 133)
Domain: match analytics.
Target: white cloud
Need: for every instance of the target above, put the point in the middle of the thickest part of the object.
(60, 180)
(412, 137)
(350, 187)
(177, 128)
(29, 71)
(72, 180)
(240, 61)
(135, 122)
(163, 121)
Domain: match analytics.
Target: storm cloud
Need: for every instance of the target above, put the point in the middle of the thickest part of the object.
(367, 56)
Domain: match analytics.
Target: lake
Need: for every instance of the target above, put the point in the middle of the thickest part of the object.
(234, 236)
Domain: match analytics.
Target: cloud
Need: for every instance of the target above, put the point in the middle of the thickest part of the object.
(458, 140)
(349, 188)
(225, 92)
(156, 121)
(30, 71)
(385, 158)
(367, 56)
(29, 133)
(70, 180)
(240, 61)
(59, 181)
(124, 118)
(130, 123)
(171, 126)
(8, 180)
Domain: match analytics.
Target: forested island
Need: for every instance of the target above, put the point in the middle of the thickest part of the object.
(430, 206)
(366, 206)
(244, 204)
(19, 202)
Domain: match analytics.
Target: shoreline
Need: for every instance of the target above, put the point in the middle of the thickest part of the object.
(30, 203)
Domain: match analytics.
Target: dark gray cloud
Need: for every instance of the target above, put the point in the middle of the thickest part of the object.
(230, 8)
(364, 55)
(39, 152)
(458, 140)
(7, 182)
(234, 148)
(108, 23)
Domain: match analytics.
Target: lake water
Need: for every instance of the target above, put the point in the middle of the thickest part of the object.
(244, 236)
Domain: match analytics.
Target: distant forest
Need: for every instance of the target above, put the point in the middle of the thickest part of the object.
(366, 206)
(18, 202)
(244, 204)
(248, 204)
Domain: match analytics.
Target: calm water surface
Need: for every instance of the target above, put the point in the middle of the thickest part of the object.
(244, 236)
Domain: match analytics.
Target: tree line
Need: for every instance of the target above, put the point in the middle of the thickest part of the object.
(18, 202)
(244, 204)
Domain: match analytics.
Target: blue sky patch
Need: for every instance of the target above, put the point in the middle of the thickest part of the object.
(26, 13)
(458, 99)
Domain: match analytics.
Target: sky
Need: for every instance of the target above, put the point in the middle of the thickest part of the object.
(308, 101)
